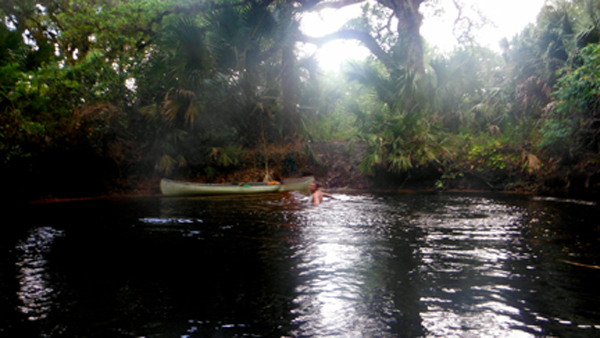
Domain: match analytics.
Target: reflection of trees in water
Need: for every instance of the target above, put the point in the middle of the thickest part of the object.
(466, 250)
(490, 267)
(570, 229)
(562, 298)
(239, 250)
(381, 266)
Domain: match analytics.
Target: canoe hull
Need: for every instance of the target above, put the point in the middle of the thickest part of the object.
(301, 184)
(179, 188)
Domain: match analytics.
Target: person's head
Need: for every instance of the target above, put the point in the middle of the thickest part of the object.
(314, 186)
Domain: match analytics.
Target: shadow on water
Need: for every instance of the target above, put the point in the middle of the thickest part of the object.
(274, 266)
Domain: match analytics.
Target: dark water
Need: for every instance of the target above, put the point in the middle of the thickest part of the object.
(359, 266)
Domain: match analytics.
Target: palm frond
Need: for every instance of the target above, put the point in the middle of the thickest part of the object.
(179, 108)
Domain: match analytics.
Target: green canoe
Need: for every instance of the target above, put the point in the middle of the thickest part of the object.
(179, 188)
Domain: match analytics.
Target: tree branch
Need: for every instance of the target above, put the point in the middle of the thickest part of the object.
(352, 34)
(316, 6)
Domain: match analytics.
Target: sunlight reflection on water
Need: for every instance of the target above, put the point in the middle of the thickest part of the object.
(382, 265)
(336, 286)
(35, 293)
(456, 275)
(468, 243)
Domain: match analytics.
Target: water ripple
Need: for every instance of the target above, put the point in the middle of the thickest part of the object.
(35, 293)
(434, 265)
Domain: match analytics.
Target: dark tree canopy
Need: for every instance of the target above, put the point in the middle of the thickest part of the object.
(186, 87)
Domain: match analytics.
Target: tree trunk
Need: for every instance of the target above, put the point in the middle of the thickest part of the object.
(289, 80)
(409, 29)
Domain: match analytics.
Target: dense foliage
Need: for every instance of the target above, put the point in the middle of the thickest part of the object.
(526, 119)
(107, 91)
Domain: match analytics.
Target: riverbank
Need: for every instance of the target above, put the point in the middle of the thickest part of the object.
(335, 165)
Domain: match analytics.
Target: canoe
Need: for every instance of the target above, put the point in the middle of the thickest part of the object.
(291, 184)
(179, 188)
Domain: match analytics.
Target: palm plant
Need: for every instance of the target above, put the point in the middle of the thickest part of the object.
(466, 90)
(563, 30)
(396, 125)
(223, 72)
(254, 46)
(588, 24)
(179, 70)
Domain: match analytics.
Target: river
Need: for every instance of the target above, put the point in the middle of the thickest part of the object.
(363, 265)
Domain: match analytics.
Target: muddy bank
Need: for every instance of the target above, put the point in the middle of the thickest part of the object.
(335, 164)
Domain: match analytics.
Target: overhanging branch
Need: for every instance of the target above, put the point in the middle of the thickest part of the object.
(317, 5)
(352, 34)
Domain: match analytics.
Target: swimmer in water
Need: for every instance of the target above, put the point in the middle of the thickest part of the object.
(317, 194)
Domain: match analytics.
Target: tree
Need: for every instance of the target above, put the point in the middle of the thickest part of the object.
(573, 123)
(406, 37)
(239, 62)
(390, 29)
(120, 28)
